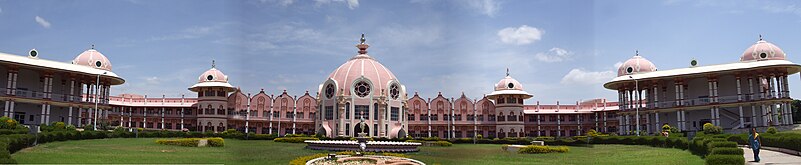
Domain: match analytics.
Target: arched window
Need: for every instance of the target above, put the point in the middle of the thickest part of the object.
(375, 110)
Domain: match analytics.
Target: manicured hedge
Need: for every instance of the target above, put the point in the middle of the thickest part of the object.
(442, 143)
(535, 149)
(186, 142)
(216, 142)
(294, 139)
(725, 159)
(303, 159)
(726, 151)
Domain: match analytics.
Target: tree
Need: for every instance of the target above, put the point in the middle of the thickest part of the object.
(795, 106)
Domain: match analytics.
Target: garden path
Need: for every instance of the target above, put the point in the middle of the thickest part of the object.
(770, 157)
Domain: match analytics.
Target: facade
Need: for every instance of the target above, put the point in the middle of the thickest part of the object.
(752, 92)
(362, 88)
(39, 91)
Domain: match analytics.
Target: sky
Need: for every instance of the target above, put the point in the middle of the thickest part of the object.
(559, 50)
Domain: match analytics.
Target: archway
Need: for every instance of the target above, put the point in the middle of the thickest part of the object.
(358, 129)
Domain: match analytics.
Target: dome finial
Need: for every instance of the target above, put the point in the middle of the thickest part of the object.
(362, 40)
(507, 72)
(636, 52)
(362, 46)
(760, 37)
(93, 47)
(213, 65)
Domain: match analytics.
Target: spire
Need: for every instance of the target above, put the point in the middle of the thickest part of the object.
(362, 45)
(213, 65)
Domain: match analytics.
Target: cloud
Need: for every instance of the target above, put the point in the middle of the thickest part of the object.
(283, 3)
(153, 80)
(41, 21)
(191, 33)
(554, 55)
(583, 77)
(520, 36)
(486, 7)
(352, 4)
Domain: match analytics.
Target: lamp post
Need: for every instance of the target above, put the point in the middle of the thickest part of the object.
(247, 117)
(97, 88)
(637, 106)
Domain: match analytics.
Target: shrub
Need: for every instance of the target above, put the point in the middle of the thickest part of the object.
(535, 149)
(216, 142)
(712, 129)
(253, 136)
(772, 130)
(666, 128)
(726, 151)
(721, 144)
(294, 139)
(395, 154)
(303, 159)
(7, 123)
(186, 142)
(442, 143)
(725, 159)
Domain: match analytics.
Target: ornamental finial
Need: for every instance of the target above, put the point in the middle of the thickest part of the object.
(760, 37)
(362, 40)
(213, 65)
(93, 46)
(636, 52)
(507, 72)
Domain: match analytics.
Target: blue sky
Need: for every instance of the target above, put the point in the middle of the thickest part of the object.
(559, 50)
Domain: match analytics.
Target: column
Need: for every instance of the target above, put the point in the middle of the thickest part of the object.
(42, 114)
(69, 119)
(775, 114)
(658, 126)
(47, 114)
(712, 116)
(656, 95)
(80, 117)
(558, 125)
(162, 116)
(754, 118)
(648, 123)
(742, 118)
(6, 109)
(620, 124)
(538, 126)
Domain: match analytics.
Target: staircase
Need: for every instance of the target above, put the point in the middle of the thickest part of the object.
(725, 113)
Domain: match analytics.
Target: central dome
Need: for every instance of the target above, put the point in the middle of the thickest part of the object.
(94, 59)
(763, 50)
(636, 64)
(364, 74)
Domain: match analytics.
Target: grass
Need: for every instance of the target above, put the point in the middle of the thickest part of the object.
(146, 151)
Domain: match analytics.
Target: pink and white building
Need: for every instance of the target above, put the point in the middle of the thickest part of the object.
(752, 92)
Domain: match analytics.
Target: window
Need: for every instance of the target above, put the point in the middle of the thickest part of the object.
(362, 89)
(763, 55)
(329, 91)
(394, 112)
(393, 91)
(375, 110)
(329, 112)
(410, 117)
(300, 115)
(276, 115)
(347, 110)
(362, 111)
(265, 114)
(510, 85)
(629, 70)
(209, 77)
(289, 115)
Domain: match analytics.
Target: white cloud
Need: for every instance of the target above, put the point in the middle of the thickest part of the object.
(283, 3)
(521, 35)
(583, 77)
(487, 7)
(41, 21)
(1, 10)
(153, 80)
(554, 55)
(352, 4)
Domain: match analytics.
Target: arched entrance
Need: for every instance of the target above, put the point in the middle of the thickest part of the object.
(358, 129)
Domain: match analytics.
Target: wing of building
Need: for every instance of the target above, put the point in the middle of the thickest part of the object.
(752, 92)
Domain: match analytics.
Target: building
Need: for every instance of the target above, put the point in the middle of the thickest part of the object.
(752, 92)
(39, 91)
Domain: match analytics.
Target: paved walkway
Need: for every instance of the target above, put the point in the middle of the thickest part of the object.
(770, 157)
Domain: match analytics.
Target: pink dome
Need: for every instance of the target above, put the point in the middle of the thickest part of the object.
(763, 50)
(508, 83)
(636, 64)
(362, 65)
(93, 58)
(213, 75)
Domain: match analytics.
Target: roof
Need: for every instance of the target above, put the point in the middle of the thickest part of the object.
(792, 68)
(212, 84)
(67, 67)
(152, 102)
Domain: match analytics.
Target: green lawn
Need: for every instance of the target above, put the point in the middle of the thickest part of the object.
(145, 150)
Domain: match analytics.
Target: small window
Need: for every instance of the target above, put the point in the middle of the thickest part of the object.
(98, 64)
(362, 89)
(763, 55)
(329, 91)
(393, 91)
(510, 85)
(209, 77)
(33, 53)
(629, 70)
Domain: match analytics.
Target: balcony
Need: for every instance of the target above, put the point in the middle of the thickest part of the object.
(53, 96)
(704, 101)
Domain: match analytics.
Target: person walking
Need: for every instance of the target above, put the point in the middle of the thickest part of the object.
(755, 143)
